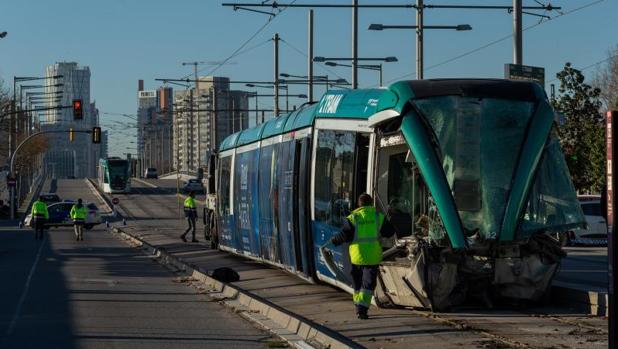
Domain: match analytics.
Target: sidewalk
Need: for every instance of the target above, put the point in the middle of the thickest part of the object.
(331, 310)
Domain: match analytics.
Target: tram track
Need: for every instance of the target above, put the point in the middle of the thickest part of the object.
(579, 333)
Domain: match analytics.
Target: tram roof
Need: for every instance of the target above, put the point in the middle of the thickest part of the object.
(362, 103)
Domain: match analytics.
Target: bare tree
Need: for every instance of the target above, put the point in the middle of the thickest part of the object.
(606, 78)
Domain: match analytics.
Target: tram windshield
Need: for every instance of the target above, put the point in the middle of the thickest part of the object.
(118, 172)
(478, 141)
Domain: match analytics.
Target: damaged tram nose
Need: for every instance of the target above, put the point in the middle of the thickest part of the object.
(475, 185)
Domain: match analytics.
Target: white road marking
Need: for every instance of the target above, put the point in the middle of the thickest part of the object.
(20, 303)
(145, 183)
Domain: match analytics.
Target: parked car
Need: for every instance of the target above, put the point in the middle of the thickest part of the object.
(151, 172)
(50, 198)
(59, 215)
(194, 185)
(596, 233)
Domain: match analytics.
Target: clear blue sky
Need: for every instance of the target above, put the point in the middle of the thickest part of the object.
(123, 41)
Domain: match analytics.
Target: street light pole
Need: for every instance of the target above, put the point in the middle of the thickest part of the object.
(419, 40)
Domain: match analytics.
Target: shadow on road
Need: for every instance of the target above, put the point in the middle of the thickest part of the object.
(34, 300)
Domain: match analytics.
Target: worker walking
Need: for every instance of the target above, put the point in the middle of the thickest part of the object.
(78, 215)
(362, 229)
(39, 217)
(191, 214)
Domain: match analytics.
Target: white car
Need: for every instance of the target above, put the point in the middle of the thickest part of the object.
(596, 233)
(59, 215)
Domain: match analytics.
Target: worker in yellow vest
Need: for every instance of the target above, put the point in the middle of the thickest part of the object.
(362, 230)
(78, 215)
(191, 215)
(39, 217)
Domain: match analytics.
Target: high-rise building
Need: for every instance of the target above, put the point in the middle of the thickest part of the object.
(154, 129)
(194, 114)
(65, 158)
(146, 112)
(104, 144)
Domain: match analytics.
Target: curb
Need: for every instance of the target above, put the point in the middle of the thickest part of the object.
(295, 329)
(593, 302)
(103, 199)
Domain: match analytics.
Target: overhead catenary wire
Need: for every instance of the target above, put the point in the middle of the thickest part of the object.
(304, 54)
(494, 42)
(242, 46)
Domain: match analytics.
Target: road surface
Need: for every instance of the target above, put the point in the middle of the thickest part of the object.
(101, 293)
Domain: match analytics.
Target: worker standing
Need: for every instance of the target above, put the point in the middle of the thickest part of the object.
(362, 229)
(191, 214)
(78, 215)
(39, 217)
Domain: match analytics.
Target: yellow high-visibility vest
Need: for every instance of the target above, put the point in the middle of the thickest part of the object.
(365, 249)
(39, 209)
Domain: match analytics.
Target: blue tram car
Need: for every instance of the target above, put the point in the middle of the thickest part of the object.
(469, 171)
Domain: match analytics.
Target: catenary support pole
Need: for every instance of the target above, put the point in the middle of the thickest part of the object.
(199, 125)
(190, 131)
(354, 44)
(517, 32)
(276, 74)
(310, 57)
(419, 39)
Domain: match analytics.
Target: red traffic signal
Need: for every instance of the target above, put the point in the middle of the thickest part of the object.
(78, 112)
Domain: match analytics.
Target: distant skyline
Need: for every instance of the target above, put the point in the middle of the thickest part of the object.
(124, 41)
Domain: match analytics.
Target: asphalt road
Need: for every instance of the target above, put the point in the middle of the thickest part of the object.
(101, 293)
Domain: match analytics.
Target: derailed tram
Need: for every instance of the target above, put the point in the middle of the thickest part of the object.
(469, 172)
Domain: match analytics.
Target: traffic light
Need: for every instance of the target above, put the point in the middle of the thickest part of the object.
(78, 112)
(96, 135)
(71, 135)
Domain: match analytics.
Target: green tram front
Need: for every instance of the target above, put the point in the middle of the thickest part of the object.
(471, 174)
(114, 175)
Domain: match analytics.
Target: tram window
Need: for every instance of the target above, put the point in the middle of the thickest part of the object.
(401, 191)
(334, 180)
(224, 189)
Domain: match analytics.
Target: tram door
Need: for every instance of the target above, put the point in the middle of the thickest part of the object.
(340, 177)
(302, 237)
(285, 205)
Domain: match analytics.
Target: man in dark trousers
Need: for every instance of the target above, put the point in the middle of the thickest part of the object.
(39, 217)
(362, 229)
(191, 214)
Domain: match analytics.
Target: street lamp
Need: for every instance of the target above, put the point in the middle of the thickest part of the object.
(282, 86)
(321, 59)
(375, 67)
(419, 37)
(330, 62)
(318, 77)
